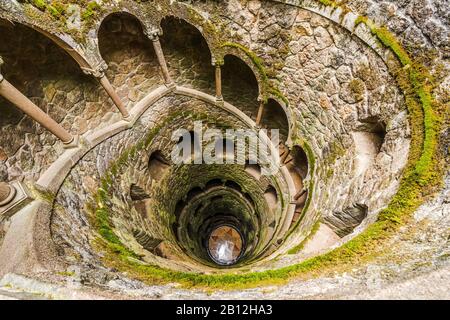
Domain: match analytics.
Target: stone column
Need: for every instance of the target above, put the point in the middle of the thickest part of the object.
(154, 36)
(114, 96)
(7, 193)
(10, 93)
(260, 113)
(218, 67)
(99, 73)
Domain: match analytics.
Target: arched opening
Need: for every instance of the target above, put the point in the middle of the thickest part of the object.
(240, 86)
(300, 161)
(233, 185)
(193, 193)
(137, 193)
(375, 126)
(271, 197)
(345, 221)
(187, 54)
(225, 244)
(368, 140)
(179, 207)
(213, 183)
(297, 165)
(157, 165)
(132, 65)
(254, 170)
(274, 117)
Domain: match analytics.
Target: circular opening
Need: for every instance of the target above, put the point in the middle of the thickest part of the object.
(225, 245)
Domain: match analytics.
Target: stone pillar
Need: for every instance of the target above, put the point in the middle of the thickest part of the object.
(7, 193)
(218, 67)
(99, 73)
(10, 93)
(260, 113)
(114, 96)
(154, 36)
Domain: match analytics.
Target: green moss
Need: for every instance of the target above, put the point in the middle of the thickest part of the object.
(337, 4)
(257, 61)
(40, 4)
(198, 19)
(53, 11)
(55, 8)
(327, 3)
(389, 40)
(357, 88)
(360, 19)
(336, 151)
(418, 89)
(47, 196)
(91, 10)
(66, 273)
(277, 93)
(57, 11)
(267, 89)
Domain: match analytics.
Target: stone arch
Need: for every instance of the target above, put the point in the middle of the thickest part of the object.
(240, 85)
(193, 26)
(189, 14)
(233, 51)
(275, 116)
(300, 161)
(146, 28)
(65, 42)
(185, 48)
(129, 54)
(271, 197)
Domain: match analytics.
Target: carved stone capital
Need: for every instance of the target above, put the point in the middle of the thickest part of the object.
(217, 62)
(98, 71)
(153, 34)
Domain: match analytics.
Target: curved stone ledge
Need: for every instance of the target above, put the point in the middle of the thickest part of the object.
(28, 246)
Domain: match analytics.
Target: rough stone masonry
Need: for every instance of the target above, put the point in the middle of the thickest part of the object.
(91, 204)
